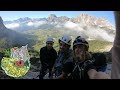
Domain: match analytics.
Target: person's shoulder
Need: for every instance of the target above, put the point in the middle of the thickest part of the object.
(99, 56)
(69, 61)
(70, 52)
(43, 48)
(54, 50)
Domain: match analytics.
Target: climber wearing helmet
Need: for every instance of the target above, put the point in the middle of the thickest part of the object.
(48, 56)
(84, 67)
(64, 59)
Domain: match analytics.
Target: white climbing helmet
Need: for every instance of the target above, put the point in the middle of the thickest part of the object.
(49, 39)
(66, 39)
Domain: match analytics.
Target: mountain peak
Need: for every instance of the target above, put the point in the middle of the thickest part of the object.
(23, 19)
(52, 17)
(1, 20)
(2, 26)
(92, 21)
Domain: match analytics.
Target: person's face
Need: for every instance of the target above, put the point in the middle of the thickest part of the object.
(79, 51)
(49, 45)
(63, 46)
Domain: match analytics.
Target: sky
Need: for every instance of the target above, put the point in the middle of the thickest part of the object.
(13, 15)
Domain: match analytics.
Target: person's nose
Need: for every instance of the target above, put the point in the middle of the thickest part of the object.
(49, 45)
(78, 49)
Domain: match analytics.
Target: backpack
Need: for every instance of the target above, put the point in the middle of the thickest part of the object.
(100, 61)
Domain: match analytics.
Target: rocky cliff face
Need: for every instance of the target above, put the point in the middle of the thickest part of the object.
(2, 26)
(92, 21)
(84, 19)
(9, 38)
(54, 18)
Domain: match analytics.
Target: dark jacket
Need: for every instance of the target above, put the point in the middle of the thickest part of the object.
(80, 69)
(63, 62)
(48, 56)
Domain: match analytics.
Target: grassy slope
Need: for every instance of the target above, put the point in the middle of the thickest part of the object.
(41, 35)
(95, 45)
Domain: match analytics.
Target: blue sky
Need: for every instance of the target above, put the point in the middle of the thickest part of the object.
(13, 15)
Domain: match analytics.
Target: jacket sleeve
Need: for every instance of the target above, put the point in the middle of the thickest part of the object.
(55, 56)
(115, 74)
(68, 65)
(42, 58)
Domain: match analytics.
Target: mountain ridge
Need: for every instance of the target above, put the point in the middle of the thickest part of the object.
(52, 18)
(85, 25)
(10, 38)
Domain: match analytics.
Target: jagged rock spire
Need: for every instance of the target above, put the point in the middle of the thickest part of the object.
(2, 26)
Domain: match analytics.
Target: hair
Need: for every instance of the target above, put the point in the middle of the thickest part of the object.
(85, 56)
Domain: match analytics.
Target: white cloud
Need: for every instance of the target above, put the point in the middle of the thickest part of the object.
(99, 34)
(30, 23)
(92, 33)
(36, 24)
(70, 25)
(12, 25)
(106, 36)
(58, 26)
(73, 26)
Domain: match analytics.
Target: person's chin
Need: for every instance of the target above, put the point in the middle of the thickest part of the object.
(77, 56)
(49, 48)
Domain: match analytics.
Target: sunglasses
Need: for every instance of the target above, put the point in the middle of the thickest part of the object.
(50, 43)
(63, 44)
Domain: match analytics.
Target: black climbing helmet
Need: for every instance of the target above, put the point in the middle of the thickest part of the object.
(79, 40)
